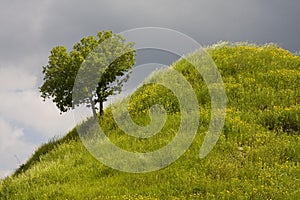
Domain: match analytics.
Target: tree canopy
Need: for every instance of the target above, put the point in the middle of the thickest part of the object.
(106, 59)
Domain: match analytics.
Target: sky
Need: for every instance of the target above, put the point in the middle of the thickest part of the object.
(30, 29)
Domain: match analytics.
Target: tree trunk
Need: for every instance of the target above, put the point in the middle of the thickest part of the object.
(101, 107)
(93, 107)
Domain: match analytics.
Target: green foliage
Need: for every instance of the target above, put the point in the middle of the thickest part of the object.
(256, 157)
(108, 55)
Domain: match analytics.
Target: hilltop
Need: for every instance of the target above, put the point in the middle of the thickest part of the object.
(256, 157)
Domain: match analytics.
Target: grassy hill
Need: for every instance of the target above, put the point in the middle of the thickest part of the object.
(256, 157)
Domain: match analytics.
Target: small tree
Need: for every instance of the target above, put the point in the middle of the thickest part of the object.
(108, 54)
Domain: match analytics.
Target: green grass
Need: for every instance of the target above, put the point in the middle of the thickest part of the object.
(256, 157)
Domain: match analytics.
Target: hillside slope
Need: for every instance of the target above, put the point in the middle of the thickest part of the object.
(256, 157)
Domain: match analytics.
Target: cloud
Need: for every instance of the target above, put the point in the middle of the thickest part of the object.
(25, 117)
(34, 27)
(20, 27)
(206, 21)
(16, 79)
(8, 134)
(13, 148)
(21, 102)
(28, 109)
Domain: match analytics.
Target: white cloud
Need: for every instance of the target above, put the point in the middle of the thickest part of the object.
(16, 79)
(21, 103)
(23, 115)
(13, 147)
(28, 109)
(8, 134)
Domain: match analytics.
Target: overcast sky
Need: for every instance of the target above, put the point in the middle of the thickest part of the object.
(31, 28)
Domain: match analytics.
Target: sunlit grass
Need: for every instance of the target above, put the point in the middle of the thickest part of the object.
(256, 157)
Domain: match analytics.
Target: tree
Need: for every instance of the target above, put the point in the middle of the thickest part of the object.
(108, 57)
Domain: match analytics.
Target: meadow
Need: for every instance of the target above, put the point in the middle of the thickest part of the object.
(256, 157)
